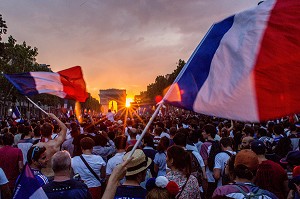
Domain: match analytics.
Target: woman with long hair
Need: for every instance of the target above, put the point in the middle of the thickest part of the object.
(179, 161)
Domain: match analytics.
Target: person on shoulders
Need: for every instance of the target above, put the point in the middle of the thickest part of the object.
(63, 187)
(110, 115)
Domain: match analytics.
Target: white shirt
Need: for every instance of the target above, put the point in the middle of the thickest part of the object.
(221, 160)
(113, 162)
(164, 134)
(3, 179)
(110, 116)
(96, 162)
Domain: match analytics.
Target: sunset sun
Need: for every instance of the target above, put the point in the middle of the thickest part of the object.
(128, 100)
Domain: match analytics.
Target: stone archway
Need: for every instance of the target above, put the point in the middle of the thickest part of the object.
(109, 97)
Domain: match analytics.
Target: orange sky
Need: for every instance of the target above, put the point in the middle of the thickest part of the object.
(119, 44)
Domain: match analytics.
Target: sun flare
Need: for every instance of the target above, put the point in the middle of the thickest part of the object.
(128, 100)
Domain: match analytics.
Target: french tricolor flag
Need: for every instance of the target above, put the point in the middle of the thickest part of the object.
(67, 83)
(27, 186)
(247, 67)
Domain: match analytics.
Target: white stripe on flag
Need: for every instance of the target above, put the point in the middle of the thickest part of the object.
(48, 83)
(39, 193)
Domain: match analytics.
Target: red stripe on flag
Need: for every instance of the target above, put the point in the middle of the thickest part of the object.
(73, 83)
(277, 70)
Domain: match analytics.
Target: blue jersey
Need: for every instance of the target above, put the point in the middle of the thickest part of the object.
(130, 192)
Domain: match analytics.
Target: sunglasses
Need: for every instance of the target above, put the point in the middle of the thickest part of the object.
(36, 149)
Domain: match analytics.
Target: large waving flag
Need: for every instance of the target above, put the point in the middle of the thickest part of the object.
(27, 186)
(67, 83)
(247, 67)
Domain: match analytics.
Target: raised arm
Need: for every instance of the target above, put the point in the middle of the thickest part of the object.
(62, 134)
(113, 182)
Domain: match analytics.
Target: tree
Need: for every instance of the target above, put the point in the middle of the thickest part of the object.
(162, 82)
(3, 27)
(91, 104)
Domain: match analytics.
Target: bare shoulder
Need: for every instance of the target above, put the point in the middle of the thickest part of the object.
(41, 144)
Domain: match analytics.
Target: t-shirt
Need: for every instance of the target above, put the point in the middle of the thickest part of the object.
(24, 145)
(95, 162)
(67, 189)
(160, 161)
(204, 152)
(221, 160)
(156, 140)
(41, 178)
(67, 145)
(164, 134)
(3, 179)
(130, 192)
(232, 191)
(110, 116)
(113, 162)
(271, 176)
(9, 162)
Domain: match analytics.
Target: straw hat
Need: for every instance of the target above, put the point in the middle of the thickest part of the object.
(139, 163)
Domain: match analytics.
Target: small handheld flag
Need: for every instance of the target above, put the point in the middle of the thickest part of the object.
(15, 113)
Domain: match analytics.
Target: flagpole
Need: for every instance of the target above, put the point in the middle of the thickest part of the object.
(36, 105)
(145, 130)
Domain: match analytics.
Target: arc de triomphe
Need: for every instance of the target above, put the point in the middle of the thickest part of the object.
(109, 96)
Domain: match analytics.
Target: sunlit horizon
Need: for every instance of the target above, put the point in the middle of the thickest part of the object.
(128, 100)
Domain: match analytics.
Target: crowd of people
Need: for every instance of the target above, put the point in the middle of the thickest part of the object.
(182, 155)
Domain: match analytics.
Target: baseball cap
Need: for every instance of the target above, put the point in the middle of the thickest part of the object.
(258, 147)
(292, 158)
(247, 158)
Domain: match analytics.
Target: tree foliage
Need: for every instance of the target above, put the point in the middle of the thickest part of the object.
(162, 82)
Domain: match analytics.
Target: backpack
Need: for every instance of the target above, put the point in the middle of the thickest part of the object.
(225, 178)
(255, 192)
(215, 148)
(196, 168)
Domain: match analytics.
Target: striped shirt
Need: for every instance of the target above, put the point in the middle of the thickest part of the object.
(42, 179)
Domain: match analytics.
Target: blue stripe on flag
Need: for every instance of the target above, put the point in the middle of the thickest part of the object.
(27, 185)
(16, 113)
(198, 66)
(24, 82)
